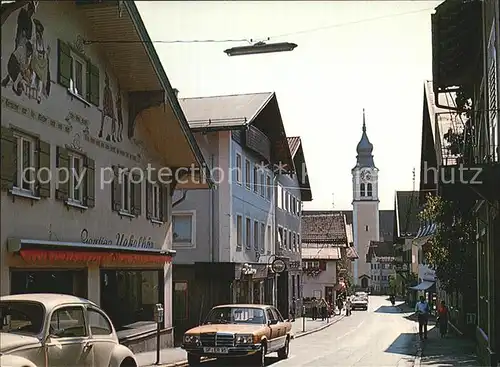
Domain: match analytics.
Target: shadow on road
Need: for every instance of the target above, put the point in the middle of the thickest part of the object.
(237, 362)
(404, 344)
(388, 309)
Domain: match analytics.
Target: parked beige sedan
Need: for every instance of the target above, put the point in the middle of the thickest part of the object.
(58, 330)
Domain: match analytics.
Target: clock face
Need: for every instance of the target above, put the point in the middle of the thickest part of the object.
(366, 176)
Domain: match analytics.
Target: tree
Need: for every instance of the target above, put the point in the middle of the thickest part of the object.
(452, 250)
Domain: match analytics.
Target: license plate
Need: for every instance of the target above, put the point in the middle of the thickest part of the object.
(216, 350)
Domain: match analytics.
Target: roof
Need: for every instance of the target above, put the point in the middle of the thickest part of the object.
(380, 249)
(226, 111)
(299, 161)
(364, 149)
(324, 253)
(49, 300)
(324, 228)
(407, 209)
(386, 220)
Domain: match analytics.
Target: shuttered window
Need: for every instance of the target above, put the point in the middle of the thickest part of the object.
(78, 74)
(25, 166)
(157, 202)
(126, 192)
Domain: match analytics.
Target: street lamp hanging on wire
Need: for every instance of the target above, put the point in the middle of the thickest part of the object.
(260, 48)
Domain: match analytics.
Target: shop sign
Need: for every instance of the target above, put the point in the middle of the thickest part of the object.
(120, 239)
(278, 266)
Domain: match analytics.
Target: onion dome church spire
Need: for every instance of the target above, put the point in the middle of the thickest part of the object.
(364, 149)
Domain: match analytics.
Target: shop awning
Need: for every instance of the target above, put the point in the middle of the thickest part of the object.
(423, 286)
(425, 232)
(40, 250)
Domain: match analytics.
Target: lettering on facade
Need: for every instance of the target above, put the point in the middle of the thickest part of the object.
(120, 239)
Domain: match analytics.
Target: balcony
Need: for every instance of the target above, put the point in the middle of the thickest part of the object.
(257, 141)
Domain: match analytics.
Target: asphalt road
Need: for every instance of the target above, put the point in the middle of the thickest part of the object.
(381, 336)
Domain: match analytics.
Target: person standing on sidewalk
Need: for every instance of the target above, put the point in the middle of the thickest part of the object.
(443, 319)
(422, 310)
(293, 309)
(314, 305)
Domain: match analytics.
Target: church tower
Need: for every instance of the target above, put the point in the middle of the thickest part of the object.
(365, 207)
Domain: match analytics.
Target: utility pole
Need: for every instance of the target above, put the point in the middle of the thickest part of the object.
(413, 172)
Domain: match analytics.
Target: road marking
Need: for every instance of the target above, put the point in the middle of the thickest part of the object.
(350, 332)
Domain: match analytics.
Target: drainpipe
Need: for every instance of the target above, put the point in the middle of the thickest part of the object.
(212, 221)
(275, 228)
(183, 197)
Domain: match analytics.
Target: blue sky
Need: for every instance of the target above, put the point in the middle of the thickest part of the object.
(351, 55)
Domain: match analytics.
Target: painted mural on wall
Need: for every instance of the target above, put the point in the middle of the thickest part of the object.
(28, 70)
(113, 123)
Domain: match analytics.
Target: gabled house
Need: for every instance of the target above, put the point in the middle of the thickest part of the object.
(225, 239)
(88, 125)
(380, 256)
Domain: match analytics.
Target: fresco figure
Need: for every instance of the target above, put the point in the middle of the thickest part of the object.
(40, 64)
(119, 116)
(18, 69)
(108, 111)
(24, 31)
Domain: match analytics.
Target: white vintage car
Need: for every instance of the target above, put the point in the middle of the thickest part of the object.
(42, 330)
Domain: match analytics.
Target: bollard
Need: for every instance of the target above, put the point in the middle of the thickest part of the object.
(303, 319)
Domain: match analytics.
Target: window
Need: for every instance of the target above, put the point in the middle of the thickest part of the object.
(298, 207)
(156, 201)
(248, 233)
(294, 206)
(294, 243)
(255, 179)
(362, 189)
(268, 188)
(256, 236)
(25, 164)
(247, 173)
(239, 231)
(126, 192)
(183, 225)
(366, 228)
(283, 198)
(238, 168)
(68, 322)
(287, 201)
(269, 243)
(290, 240)
(75, 185)
(369, 189)
(280, 196)
(78, 83)
(262, 186)
(262, 237)
(285, 238)
(99, 324)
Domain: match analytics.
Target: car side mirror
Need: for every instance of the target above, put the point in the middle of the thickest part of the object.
(272, 322)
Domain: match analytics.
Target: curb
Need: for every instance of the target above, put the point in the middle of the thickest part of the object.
(185, 363)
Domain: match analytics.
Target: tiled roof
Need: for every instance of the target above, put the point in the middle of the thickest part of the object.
(407, 209)
(327, 228)
(352, 253)
(386, 220)
(223, 111)
(294, 144)
(380, 249)
(325, 253)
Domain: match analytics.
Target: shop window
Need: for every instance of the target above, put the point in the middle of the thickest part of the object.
(129, 296)
(99, 324)
(72, 282)
(180, 300)
(184, 228)
(68, 322)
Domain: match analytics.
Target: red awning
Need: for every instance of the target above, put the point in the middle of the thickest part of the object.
(32, 255)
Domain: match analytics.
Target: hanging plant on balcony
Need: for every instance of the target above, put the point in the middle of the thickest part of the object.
(452, 250)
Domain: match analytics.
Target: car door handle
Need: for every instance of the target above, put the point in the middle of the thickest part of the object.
(88, 346)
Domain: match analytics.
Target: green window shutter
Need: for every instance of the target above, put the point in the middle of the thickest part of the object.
(62, 191)
(164, 203)
(116, 191)
(149, 200)
(93, 84)
(136, 196)
(89, 192)
(43, 176)
(65, 64)
(9, 158)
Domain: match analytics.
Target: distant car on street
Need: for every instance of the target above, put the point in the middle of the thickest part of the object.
(239, 330)
(49, 330)
(359, 303)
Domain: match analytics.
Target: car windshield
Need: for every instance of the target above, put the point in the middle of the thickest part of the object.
(22, 317)
(236, 315)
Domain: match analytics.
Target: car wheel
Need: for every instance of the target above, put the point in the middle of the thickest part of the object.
(260, 357)
(193, 360)
(283, 352)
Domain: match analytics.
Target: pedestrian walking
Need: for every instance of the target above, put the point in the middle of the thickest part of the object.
(443, 319)
(293, 309)
(314, 305)
(323, 310)
(422, 309)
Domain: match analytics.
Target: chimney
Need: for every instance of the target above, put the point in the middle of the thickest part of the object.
(176, 91)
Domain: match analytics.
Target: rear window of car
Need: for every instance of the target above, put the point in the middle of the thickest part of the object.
(22, 317)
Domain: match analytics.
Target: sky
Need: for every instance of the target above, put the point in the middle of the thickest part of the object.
(351, 55)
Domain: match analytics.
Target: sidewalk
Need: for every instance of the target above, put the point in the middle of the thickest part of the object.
(171, 357)
(453, 350)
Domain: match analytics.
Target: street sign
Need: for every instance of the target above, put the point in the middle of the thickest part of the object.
(278, 266)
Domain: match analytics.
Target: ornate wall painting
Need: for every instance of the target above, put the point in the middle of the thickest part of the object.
(110, 121)
(28, 68)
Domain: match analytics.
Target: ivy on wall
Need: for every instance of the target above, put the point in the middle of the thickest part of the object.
(452, 250)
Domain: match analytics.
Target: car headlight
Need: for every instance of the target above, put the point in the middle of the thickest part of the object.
(244, 339)
(191, 339)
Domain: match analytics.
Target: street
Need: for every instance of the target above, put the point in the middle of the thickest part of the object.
(380, 336)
